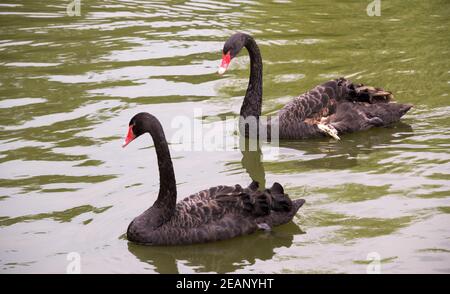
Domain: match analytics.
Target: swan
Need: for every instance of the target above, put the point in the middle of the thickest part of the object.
(332, 108)
(217, 213)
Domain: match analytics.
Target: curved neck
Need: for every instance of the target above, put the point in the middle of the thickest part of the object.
(167, 196)
(253, 97)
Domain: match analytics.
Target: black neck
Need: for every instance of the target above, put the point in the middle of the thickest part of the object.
(253, 97)
(167, 196)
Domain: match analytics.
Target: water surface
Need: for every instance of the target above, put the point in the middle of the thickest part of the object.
(69, 86)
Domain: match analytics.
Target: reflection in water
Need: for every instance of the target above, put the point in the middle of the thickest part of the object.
(252, 163)
(340, 154)
(324, 153)
(220, 257)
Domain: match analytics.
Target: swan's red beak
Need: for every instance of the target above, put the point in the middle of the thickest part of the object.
(130, 137)
(226, 58)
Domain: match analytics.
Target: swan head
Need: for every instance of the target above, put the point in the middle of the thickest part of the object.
(226, 59)
(231, 49)
(137, 126)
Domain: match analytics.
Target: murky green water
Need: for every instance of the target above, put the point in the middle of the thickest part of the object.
(69, 86)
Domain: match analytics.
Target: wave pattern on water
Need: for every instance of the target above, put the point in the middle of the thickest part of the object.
(69, 86)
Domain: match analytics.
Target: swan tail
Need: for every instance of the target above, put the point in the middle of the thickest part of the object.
(351, 117)
(281, 217)
(297, 203)
(386, 113)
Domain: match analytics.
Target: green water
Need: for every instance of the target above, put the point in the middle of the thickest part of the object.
(69, 85)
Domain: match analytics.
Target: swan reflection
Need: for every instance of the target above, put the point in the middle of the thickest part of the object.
(219, 257)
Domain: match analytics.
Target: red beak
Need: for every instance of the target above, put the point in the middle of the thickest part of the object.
(226, 58)
(130, 137)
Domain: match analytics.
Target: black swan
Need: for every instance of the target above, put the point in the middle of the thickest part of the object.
(333, 108)
(213, 214)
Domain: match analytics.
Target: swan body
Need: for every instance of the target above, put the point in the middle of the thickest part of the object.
(332, 108)
(217, 213)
